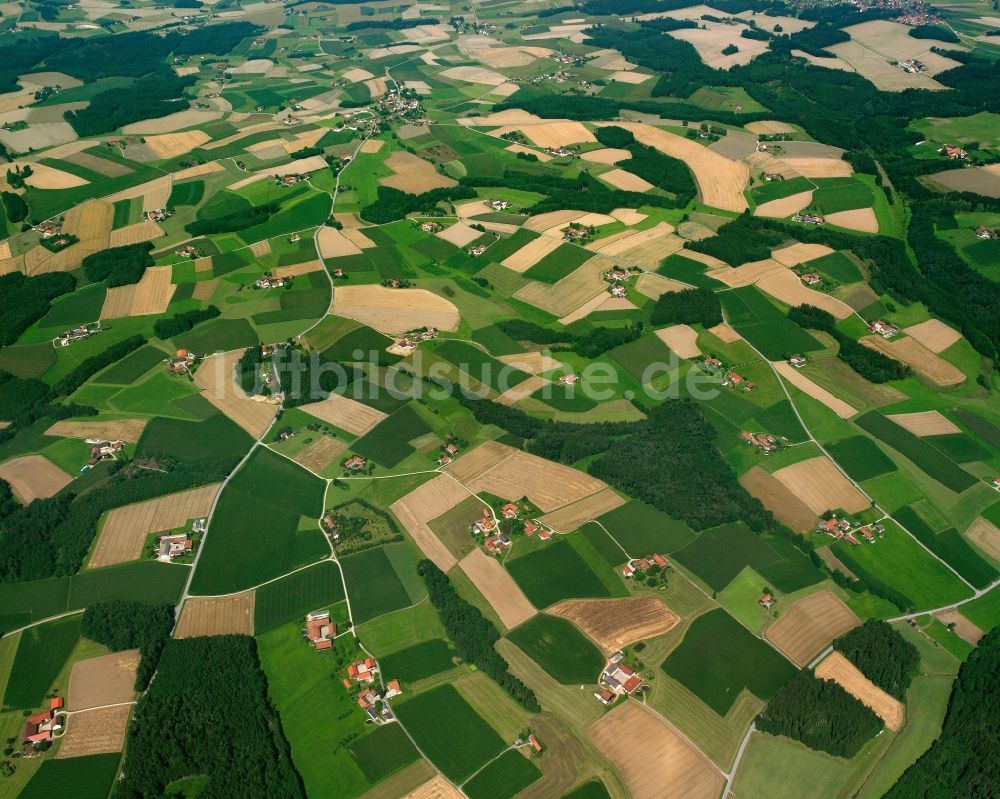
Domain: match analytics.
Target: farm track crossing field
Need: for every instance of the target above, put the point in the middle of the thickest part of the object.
(559, 648)
(95, 732)
(125, 529)
(33, 477)
(655, 761)
(435, 788)
(105, 680)
(614, 624)
(440, 717)
(229, 615)
(641, 529)
(807, 627)
(504, 594)
(571, 516)
(294, 595)
(840, 670)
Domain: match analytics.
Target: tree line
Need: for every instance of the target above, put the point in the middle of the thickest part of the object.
(24, 300)
(688, 307)
(590, 344)
(663, 171)
(121, 625)
(183, 322)
(119, 266)
(235, 221)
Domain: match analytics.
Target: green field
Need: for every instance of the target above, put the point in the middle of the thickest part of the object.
(479, 365)
(418, 662)
(960, 447)
(555, 573)
(636, 356)
(836, 265)
(83, 305)
(449, 731)
(358, 344)
(40, 656)
(861, 458)
(89, 777)
(778, 768)
(718, 555)
(642, 529)
(215, 437)
(979, 425)
(778, 189)
(293, 596)
(840, 194)
(218, 335)
(132, 366)
(589, 790)
(559, 263)
(387, 443)
(925, 457)
(556, 645)
(373, 584)
(506, 776)
(383, 752)
(764, 326)
(950, 546)
(985, 611)
(738, 660)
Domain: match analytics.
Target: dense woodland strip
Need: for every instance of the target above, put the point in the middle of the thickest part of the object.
(473, 634)
(129, 625)
(663, 171)
(24, 300)
(590, 344)
(184, 321)
(882, 655)
(689, 307)
(119, 266)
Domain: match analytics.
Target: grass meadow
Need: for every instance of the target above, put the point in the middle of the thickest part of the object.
(554, 573)
(560, 648)
(506, 776)
(291, 597)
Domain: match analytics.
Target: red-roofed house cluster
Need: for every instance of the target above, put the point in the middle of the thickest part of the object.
(182, 361)
(738, 381)
(884, 329)
(983, 232)
(954, 152)
(449, 451)
(355, 463)
(616, 679)
(320, 630)
(845, 529)
(811, 278)
(271, 282)
(763, 441)
(644, 564)
(104, 450)
(42, 725)
(369, 700)
(363, 671)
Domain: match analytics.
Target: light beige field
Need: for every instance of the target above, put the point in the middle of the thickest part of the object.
(716, 37)
(198, 171)
(425, 503)
(786, 206)
(786, 286)
(549, 485)
(964, 628)
(977, 179)
(552, 134)
(828, 63)
(478, 461)
(840, 670)
(95, 732)
(217, 378)
(802, 382)
(614, 624)
(170, 145)
(303, 268)
(770, 126)
(862, 219)
(551, 219)
(925, 423)
(985, 535)
(533, 362)
(606, 155)
(724, 333)
(168, 124)
(568, 294)
(394, 310)
(628, 216)
(531, 253)
(105, 680)
(777, 498)
(570, 517)
(653, 759)
(817, 167)
(500, 57)
(359, 238)
(681, 339)
(522, 390)
(584, 310)
(799, 253)
(413, 174)
(924, 362)
(522, 148)
(347, 414)
(498, 587)
(807, 627)
(376, 86)
(459, 234)
(33, 477)
(47, 177)
(436, 788)
(633, 78)
(151, 295)
(355, 75)
(654, 286)
(334, 244)
(934, 334)
(625, 181)
(371, 146)
(480, 75)
(147, 230)
(821, 486)
(125, 529)
(321, 453)
(225, 615)
(126, 429)
(745, 274)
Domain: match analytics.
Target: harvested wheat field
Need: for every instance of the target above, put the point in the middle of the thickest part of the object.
(964, 628)
(33, 477)
(777, 498)
(498, 588)
(90, 221)
(584, 310)
(553, 134)
(925, 363)
(614, 624)
(631, 78)
(151, 295)
(170, 145)
(522, 390)
(95, 732)
(821, 486)
(105, 680)
(224, 615)
(125, 529)
(789, 289)
(394, 310)
(500, 57)
(47, 177)
(985, 535)
(570, 293)
(628, 216)
(786, 206)
(531, 253)
(549, 485)
(570, 517)
(459, 234)
(321, 453)
(653, 759)
(147, 230)
(680, 339)
(347, 414)
(481, 75)
(654, 286)
(436, 788)
(769, 126)
(810, 166)
(720, 181)
(712, 41)
(840, 670)
(371, 146)
(925, 423)
(606, 155)
(625, 181)
(551, 219)
(198, 171)
(423, 504)
(217, 378)
(358, 237)
(934, 334)
(478, 460)
(356, 75)
(745, 274)
(799, 253)
(413, 174)
(522, 148)
(533, 362)
(807, 627)
(862, 219)
(126, 429)
(294, 270)
(724, 333)
(334, 244)
(798, 379)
